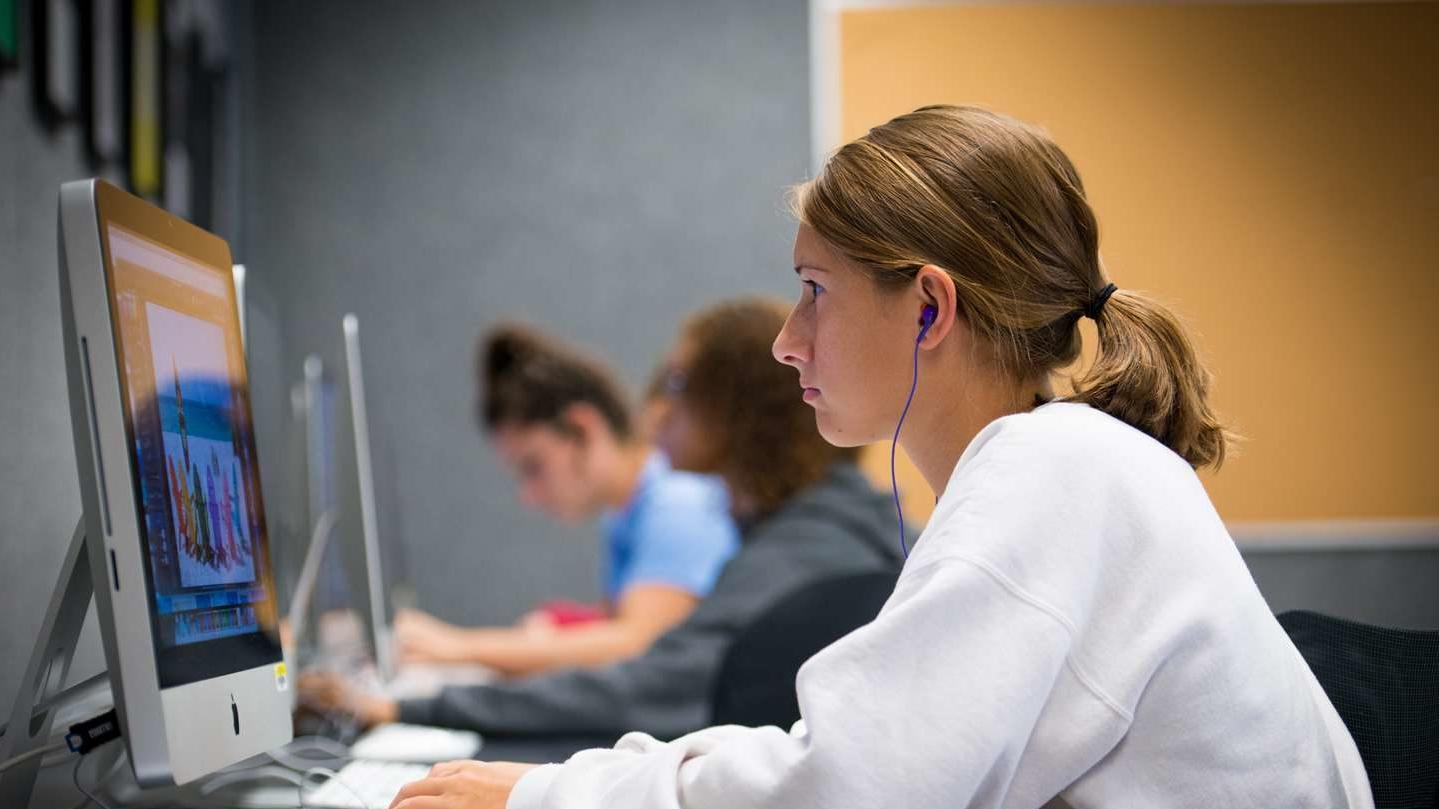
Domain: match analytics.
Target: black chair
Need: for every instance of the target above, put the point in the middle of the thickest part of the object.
(1385, 685)
(756, 685)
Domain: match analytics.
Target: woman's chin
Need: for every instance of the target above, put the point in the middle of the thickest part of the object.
(837, 433)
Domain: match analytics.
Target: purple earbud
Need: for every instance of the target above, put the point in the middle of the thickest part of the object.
(926, 319)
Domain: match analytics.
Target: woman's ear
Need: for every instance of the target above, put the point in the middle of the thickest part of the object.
(583, 422)
(934, 287)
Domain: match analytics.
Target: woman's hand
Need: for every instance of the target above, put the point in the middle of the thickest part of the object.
(423, 638)
(538, 624)
(328, 693)
(463, 785)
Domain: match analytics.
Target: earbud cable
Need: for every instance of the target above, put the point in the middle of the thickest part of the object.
(894, 446)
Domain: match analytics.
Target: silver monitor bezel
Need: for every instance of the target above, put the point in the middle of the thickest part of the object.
(174, 735)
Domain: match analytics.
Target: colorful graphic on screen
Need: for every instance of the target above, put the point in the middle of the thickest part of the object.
(194, 456)
(202, 464)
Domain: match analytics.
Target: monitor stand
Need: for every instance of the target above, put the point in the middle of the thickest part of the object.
(42, 689)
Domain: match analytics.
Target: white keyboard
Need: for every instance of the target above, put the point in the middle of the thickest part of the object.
(365, 785)
(416, 744)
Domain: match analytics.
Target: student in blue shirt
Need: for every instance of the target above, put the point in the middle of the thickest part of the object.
(564, 430)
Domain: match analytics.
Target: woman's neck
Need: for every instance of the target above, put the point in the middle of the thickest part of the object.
(742, 504)
(937, 434)
(630, 465)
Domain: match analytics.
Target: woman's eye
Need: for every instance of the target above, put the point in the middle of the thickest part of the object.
(815, 289)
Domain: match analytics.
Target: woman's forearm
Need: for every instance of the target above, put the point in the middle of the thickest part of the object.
(516, 652)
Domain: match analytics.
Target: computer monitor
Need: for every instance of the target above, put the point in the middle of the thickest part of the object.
(174, 521)
(377, 619)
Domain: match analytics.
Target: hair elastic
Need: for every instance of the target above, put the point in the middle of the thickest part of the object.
(1097, 305)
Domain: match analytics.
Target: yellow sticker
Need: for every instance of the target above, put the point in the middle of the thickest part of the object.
(282, 681)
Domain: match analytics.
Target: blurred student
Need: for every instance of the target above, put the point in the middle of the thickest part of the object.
(565, 432)
(806, 513)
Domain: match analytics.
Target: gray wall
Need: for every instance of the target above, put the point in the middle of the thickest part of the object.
(1387, 586)
(603, 167)
(607, 168)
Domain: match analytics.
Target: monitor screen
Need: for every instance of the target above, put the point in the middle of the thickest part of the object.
(192, 451)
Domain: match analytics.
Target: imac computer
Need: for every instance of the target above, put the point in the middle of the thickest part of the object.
(378, 622)
(172, 540)
(413, 679)
(390, 678)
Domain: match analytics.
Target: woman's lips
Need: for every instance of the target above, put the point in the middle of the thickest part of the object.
(810, 394)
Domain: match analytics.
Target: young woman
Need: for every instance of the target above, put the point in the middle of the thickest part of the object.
(564, 430)
(806, 513)
(1074, 624)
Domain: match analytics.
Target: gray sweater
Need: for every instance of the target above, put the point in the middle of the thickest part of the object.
(838, 526)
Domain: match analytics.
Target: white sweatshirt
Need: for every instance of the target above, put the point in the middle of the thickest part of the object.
(1074, 622)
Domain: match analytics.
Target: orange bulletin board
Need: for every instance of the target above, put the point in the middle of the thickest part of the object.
(1269, 171)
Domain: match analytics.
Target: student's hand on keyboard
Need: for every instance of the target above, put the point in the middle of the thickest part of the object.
(464, 785)
(330, 693)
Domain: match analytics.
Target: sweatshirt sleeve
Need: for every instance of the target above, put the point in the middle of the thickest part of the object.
(931, 705)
